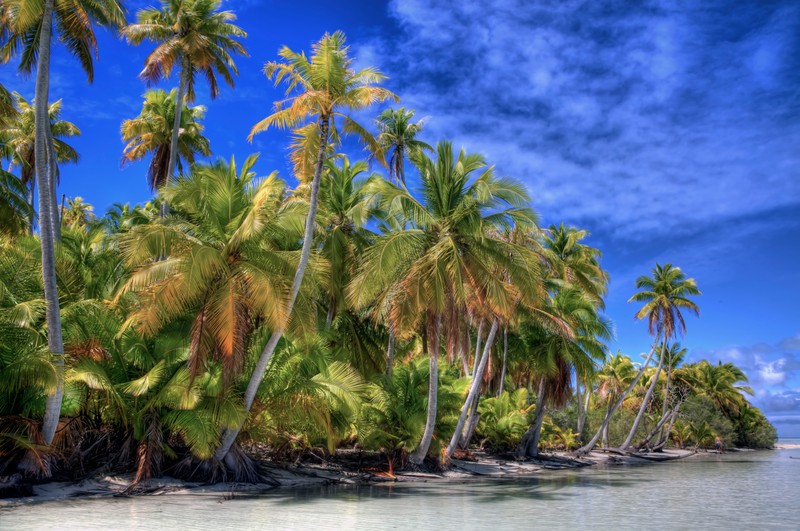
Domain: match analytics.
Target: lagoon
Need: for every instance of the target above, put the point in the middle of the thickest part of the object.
(741, 490)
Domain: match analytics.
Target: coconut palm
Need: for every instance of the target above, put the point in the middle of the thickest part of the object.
(398, 135)
(614, 377)
(343, 214)
(665, 294)
(574, 262)
(79, 214)
(224, 264)
(28, 30)
(150, 133)
(720, 383)
(426, 273)
(557, 356)
(194, 37)
(319, 89)
(19, 137)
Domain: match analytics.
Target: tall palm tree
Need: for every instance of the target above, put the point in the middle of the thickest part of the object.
(574, 262)
(19, 138)
(193, 37)
(150, 133)
(28, 30)
(344, 212)
(427, 272)
(557, 356)
(665, 294)
(398, 135)
(319, 89)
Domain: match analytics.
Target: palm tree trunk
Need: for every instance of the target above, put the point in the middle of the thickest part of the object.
(55, 343)
(390, 354)
(584, 411)
(505, 358)
(646, 400)
(529, 446)
(52, 177)
(477, 345)
(433, 393)
(176, 127)
(588, 447)
(331, 312)
(32, 203)
(664, 436)
(229, 436)
(474, 389)
(465, 352)
(579, 404)
(608, 414)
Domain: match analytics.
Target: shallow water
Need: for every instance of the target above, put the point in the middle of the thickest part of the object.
(744, 490)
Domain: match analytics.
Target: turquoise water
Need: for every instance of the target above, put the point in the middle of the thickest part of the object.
(744, 490)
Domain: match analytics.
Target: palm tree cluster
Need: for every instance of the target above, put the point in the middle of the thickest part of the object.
(413, 313)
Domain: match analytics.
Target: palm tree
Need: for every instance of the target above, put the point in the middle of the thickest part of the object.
(28, 28)
(426, 273)
(399, 135)
(665, 294)
(719, 383)
(19, 138)
(150, 133)
(319, 88)
(79, 214)
(557, 356)
(344, 213)
(224, 264)
(194, 37)
(614, 377)
(574, 262)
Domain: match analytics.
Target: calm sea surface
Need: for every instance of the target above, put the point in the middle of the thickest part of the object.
(745, 490)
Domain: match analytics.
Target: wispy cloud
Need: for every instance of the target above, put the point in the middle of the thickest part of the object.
(643, 119)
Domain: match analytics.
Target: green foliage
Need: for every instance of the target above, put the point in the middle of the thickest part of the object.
(504, 419)
(393, 417)
(700, 411)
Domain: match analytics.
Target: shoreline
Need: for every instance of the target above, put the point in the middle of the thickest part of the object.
(305, 475)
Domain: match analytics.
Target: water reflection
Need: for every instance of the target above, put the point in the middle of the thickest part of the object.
(733, 491)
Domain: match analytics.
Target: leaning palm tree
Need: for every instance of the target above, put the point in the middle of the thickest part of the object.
(150, 133)
(193, 37)
(614, 377)
(28, 30)
(426, 273)
(399, 135)
(558, 356)
(665, 294)
(19, 138)
(319, 89)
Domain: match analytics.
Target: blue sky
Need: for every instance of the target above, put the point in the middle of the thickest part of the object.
(670, 130)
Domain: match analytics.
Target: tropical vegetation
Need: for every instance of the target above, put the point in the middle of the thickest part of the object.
(418, 310)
